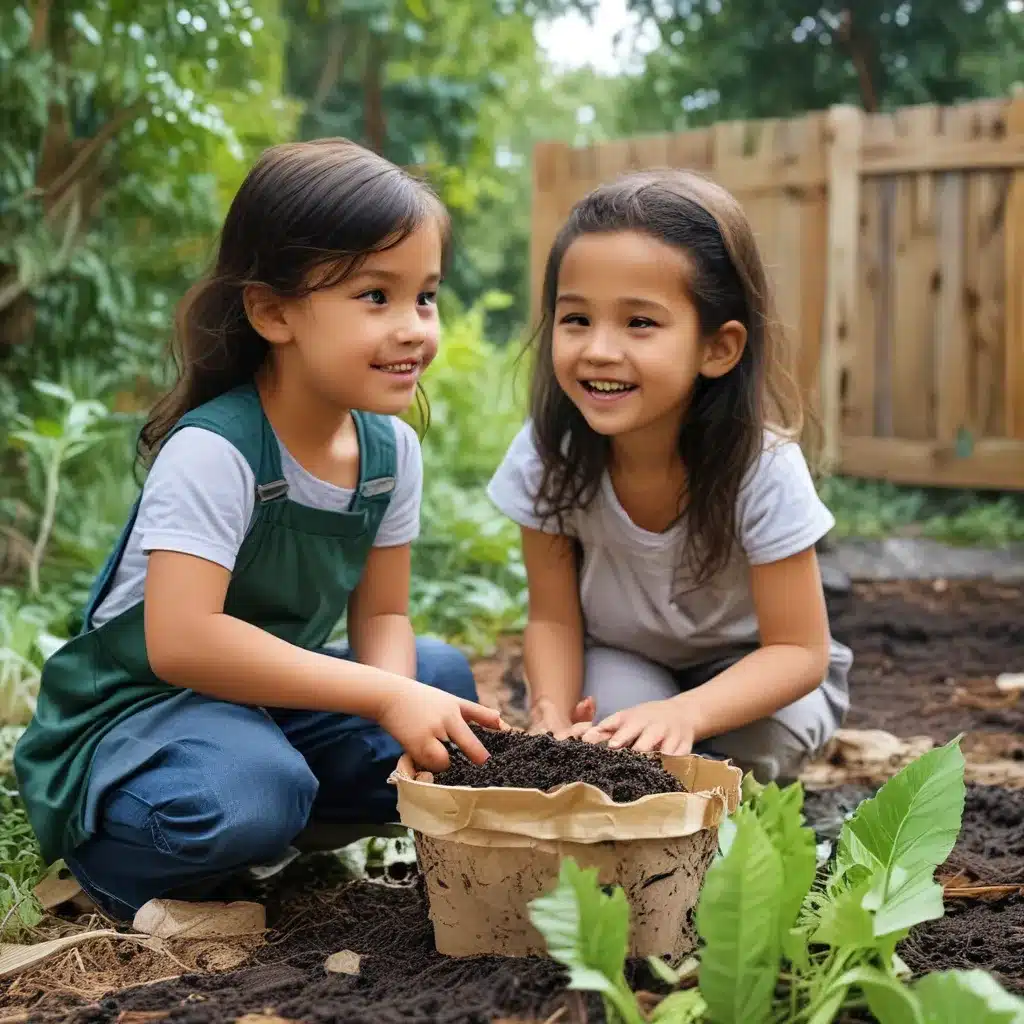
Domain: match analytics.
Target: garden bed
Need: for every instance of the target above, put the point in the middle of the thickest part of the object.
(927, 660)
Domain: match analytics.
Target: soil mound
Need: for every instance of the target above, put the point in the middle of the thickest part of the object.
(522, 761)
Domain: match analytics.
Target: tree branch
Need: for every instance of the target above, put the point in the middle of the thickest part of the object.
(40, 25)
(92, 148)
(333, 63)
(857, 49)
(373, 110)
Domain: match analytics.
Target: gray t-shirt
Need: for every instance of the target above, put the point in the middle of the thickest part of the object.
(632, 594)
(199, 497)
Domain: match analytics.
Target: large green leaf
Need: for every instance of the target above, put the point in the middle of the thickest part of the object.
(972, 997)
(587, 931)
(780, 812)
(902, 834)
(738, 919)
(843, 921)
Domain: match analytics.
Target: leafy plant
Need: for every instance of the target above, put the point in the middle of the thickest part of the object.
(779, 945)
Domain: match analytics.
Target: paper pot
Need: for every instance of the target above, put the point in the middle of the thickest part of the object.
(486, 853)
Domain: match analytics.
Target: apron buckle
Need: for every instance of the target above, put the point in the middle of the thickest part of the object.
(272, 491)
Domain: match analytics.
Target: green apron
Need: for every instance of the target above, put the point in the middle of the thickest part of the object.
(293, 576)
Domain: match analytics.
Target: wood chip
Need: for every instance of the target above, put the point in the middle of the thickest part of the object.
(343, 962)
(264, 1018)
(168, 919)
(53, 891)
(1010, 682)
(141, 1016)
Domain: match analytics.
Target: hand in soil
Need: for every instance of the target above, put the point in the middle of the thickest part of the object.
(661, 725)
(422, 718)
(545, 717)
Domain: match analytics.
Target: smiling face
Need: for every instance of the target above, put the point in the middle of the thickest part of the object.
(364, 342)
(626, 344)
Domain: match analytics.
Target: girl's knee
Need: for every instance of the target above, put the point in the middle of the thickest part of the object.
(445, 667)
(250, 814)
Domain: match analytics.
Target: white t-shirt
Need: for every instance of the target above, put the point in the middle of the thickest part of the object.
(199, 497)
(633, 596)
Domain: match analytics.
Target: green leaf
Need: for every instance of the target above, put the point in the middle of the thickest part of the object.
(903, 833)
(680, 1008)
(662, 970)
(587, 931)
(738, 919)
(843, 921)
(45, 387)
(889, 1001)
(750, 788)
(781, 815)
(968, 996)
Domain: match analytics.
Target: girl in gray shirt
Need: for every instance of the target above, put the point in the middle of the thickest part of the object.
(668, 515)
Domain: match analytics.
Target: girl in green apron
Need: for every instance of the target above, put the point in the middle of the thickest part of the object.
(197, 724)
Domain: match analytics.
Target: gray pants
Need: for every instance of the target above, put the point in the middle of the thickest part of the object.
(774, 749)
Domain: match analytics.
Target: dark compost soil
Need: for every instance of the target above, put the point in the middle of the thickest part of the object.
(401, 979)
(925, 660)
(542, 762)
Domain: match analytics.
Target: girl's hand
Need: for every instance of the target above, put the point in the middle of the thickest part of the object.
(663, 725)
(420, 717)
(544, 717)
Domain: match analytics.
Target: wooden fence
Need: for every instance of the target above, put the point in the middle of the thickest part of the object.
(895, 244)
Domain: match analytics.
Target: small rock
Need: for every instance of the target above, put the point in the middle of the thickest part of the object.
(343, 962)
(1010, 682)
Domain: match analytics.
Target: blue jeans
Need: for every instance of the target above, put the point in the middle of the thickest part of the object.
(192, 789)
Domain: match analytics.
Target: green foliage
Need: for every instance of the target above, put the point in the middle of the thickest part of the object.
(875, 509)
(740, 59)
(21, 868)
(777, 947)
(468, 581)
(587, 931)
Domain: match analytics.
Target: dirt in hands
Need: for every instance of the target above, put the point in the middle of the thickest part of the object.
(522, 761)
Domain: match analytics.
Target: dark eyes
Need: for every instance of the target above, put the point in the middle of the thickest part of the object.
(634, 322)
(379, 298)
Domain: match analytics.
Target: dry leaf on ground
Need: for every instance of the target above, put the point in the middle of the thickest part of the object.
(863, 755)
(168, 919)
(343, 962)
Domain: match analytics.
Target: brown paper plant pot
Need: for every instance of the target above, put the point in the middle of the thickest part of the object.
(486, 853)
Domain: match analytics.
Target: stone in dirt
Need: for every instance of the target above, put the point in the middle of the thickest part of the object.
(521, 761)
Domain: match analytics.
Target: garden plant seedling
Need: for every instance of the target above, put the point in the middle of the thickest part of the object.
(780, 944)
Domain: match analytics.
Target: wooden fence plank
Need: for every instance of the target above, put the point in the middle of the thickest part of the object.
(844, 140)
(915, 274)
(1014, 241)
(984, 277)
(953, 362)
(550, 182)
(995, 462)
(813, 237)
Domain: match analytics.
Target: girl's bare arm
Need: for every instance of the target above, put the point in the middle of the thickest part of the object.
(553, 643)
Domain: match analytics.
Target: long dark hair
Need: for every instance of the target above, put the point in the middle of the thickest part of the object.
(723, 431)
(304, 218)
